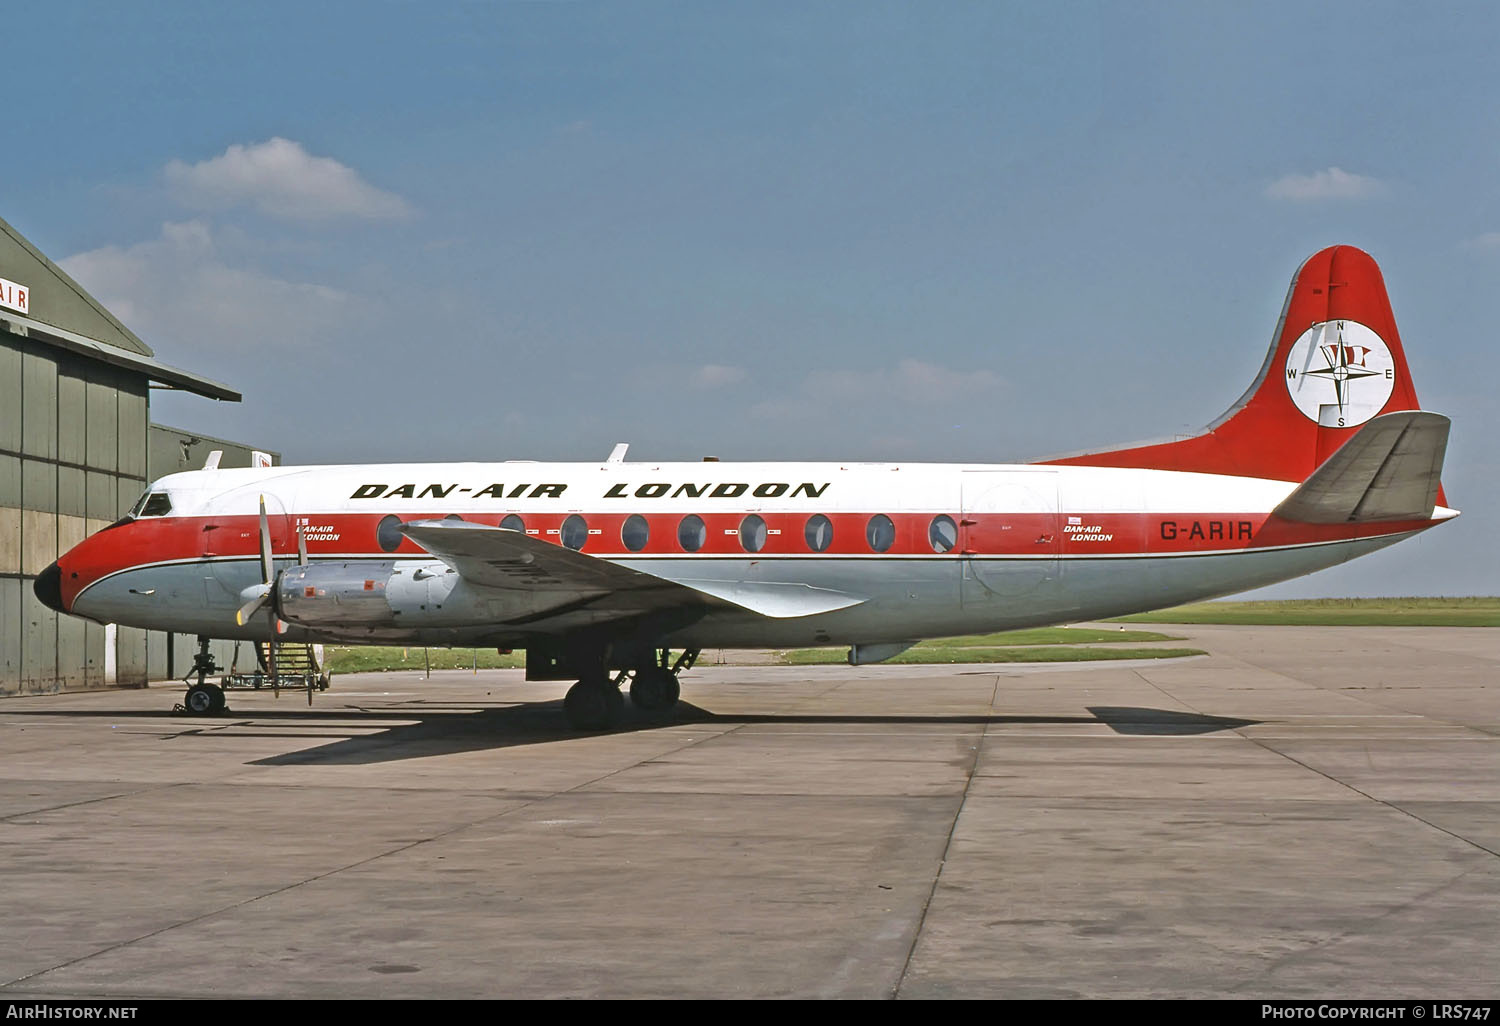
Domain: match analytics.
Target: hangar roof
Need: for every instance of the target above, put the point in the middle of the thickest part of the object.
(154, 369)
(57, 299)
(59, 312)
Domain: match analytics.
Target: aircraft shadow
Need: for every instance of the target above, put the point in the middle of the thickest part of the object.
(453, 732)
(418, 729)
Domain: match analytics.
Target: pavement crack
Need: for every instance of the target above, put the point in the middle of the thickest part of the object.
(937, 876)
(1354, 930)
(397, 850)
(1267, 746)
(1370, 797)
(88, 801)
(221, 910)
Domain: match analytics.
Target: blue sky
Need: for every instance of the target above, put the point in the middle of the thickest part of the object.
(936, 231)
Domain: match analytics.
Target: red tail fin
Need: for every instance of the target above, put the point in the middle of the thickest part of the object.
(1336, 362)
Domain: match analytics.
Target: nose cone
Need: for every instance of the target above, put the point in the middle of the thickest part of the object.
(49, 588)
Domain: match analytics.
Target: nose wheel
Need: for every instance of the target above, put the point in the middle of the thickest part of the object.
(203, 698)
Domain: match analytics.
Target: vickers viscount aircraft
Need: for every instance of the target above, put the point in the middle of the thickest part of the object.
(601, 571)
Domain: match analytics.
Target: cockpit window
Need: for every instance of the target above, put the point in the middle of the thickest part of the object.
(154, 504)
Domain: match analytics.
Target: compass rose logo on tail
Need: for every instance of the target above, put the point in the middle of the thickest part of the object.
(1340, 374)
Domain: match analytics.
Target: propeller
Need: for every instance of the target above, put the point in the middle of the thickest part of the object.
(261, 593)
(301, 561)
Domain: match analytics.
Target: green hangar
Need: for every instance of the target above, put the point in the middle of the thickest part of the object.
(77, 448)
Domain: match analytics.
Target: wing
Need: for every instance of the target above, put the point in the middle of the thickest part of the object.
(1388, 471)
(509, 561)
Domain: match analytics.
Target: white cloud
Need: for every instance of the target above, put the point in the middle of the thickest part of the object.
(180, 288)
(1488, 240)
(910, 383)
(1331, 184)
(716, 375)
(282, 179)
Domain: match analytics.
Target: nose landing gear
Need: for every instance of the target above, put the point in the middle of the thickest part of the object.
(203, 698)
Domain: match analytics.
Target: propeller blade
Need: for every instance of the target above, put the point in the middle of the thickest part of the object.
(301, 546)
(249, 609)
(266, 569)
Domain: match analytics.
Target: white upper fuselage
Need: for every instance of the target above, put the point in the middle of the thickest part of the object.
(522, 486)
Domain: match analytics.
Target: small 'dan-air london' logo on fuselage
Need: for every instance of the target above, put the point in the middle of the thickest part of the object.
(1340, 374)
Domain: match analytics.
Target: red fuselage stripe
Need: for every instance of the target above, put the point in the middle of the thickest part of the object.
(1069, 536)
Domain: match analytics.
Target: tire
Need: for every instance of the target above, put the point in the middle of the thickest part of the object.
(589, 706)
(649, 689)
(200, 700)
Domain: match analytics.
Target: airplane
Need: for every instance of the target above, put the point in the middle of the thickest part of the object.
(601, 571)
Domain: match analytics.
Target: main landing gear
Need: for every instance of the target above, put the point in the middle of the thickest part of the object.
(203, 698)
(595, 702)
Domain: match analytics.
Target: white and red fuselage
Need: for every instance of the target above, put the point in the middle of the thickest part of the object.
(711, 554)
(931, 550)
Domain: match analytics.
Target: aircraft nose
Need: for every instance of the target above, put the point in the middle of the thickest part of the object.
(48, 588)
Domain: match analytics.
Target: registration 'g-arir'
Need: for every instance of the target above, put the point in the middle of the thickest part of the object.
(600, 571)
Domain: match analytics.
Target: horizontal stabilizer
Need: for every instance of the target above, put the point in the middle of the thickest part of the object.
(494, 557)
(1388, 471)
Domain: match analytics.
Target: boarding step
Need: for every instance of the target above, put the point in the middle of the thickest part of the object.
(297, 666)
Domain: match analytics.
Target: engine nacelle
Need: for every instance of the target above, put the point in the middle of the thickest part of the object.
(336, 594)
(371, 594)
(359, 598)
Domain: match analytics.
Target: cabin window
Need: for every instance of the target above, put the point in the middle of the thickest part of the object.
(880, 533)
(388, 533)
(575, 532)
(819, 532)
(942, 533)
(753, 533)
(513, 523)
(635, 532)
(691, 534)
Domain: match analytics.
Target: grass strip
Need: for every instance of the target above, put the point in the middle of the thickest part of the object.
(1482, 611)
(1041, 654)
(1050, 636)
(378, 658)
(375, 658)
